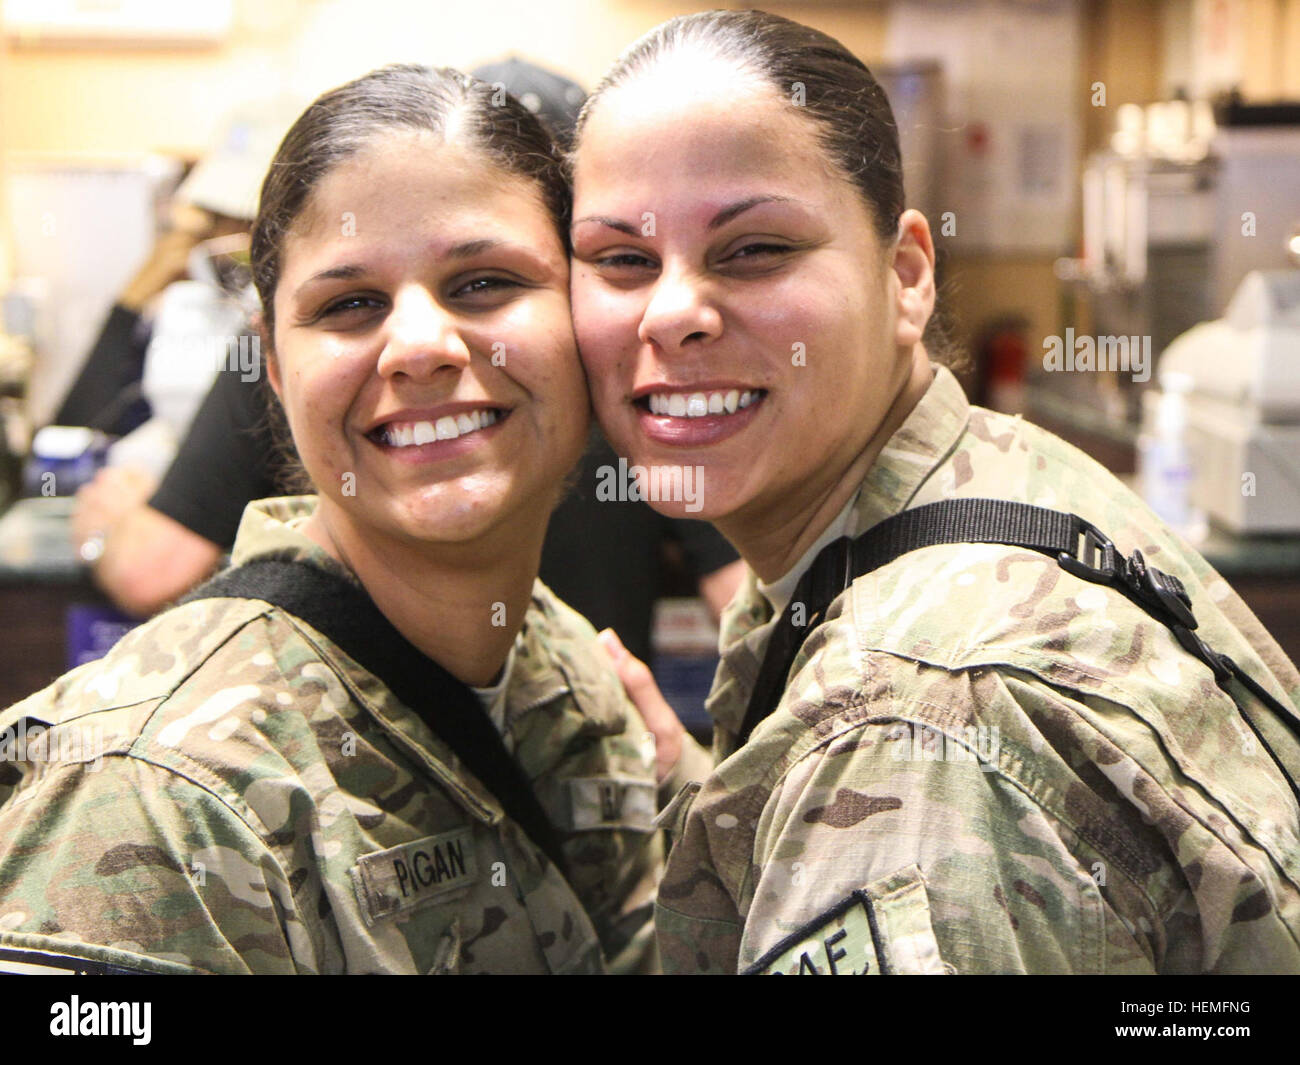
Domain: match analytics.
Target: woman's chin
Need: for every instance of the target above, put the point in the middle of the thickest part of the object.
(449, 518)
(443, 515)
(675, 489)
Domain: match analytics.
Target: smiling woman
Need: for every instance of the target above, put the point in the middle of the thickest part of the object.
(974, 758)
(746, 262)
(420, 341)
(377, 744)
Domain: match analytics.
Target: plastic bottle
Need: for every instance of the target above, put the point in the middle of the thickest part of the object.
(1165, 467)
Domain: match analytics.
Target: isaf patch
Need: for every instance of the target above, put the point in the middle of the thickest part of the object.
(840, 942)
(411, 875)
(881, 929)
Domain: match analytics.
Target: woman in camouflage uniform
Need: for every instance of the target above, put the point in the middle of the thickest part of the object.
(980, 762)
(228, 790)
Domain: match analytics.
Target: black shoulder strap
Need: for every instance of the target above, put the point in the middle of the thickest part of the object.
(842, 562)
(1080, 548)
(344, 613)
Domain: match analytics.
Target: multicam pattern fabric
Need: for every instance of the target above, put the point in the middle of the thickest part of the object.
(1061, 787)
(226, 792)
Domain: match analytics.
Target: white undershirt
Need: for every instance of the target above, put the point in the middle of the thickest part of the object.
(494, 698)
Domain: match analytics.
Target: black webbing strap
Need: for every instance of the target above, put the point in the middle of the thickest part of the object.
(840, 563)
(1080, 548)
(347, 616)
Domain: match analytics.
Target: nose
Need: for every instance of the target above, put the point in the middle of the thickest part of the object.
(423, 337)
(679, 313)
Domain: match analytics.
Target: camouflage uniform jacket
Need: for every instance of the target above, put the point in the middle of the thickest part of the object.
(227, 792)
(982, 763)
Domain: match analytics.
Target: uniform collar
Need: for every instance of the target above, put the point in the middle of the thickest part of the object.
(909, 458)
(915, 451)
(272, 528)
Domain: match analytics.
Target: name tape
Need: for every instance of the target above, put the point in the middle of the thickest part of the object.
(404, 877)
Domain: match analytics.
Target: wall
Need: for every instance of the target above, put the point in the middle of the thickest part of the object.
(128, 99)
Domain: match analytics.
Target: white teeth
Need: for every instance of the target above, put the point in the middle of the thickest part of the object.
(700, 404)
(450, 427)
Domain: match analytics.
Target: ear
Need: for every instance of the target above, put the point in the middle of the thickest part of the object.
(913, 265)
(268, 354)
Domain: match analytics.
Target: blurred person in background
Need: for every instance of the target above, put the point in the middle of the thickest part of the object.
(195, 444)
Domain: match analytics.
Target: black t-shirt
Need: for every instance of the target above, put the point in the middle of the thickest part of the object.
(226, 460)
(106, 394)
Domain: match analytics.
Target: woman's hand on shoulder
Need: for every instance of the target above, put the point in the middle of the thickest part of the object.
(660, 718)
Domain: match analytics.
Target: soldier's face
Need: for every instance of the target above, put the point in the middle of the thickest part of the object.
(734, 308)
(424, 349)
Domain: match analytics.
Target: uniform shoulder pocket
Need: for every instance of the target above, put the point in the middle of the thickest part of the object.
(881, 930)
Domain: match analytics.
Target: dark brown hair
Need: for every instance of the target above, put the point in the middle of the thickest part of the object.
(402, 96)
(819, 76)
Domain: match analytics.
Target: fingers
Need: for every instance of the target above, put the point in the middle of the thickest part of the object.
(90, 514)
(104, 500)
(631, 670)
(639, 683)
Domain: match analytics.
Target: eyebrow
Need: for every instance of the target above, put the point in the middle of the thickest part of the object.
(719, 220)
(736, 209)
(464, 250)
(334, 273)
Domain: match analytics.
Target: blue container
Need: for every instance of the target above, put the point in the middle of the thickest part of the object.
(63, 458)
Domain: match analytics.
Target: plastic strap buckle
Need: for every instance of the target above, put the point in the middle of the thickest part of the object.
(1159, 589)
(1098, 561)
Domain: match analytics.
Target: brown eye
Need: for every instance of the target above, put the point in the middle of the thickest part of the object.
(350, 303)
(489, 289)
(625, 259)
(624, 268)
(756, 251)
